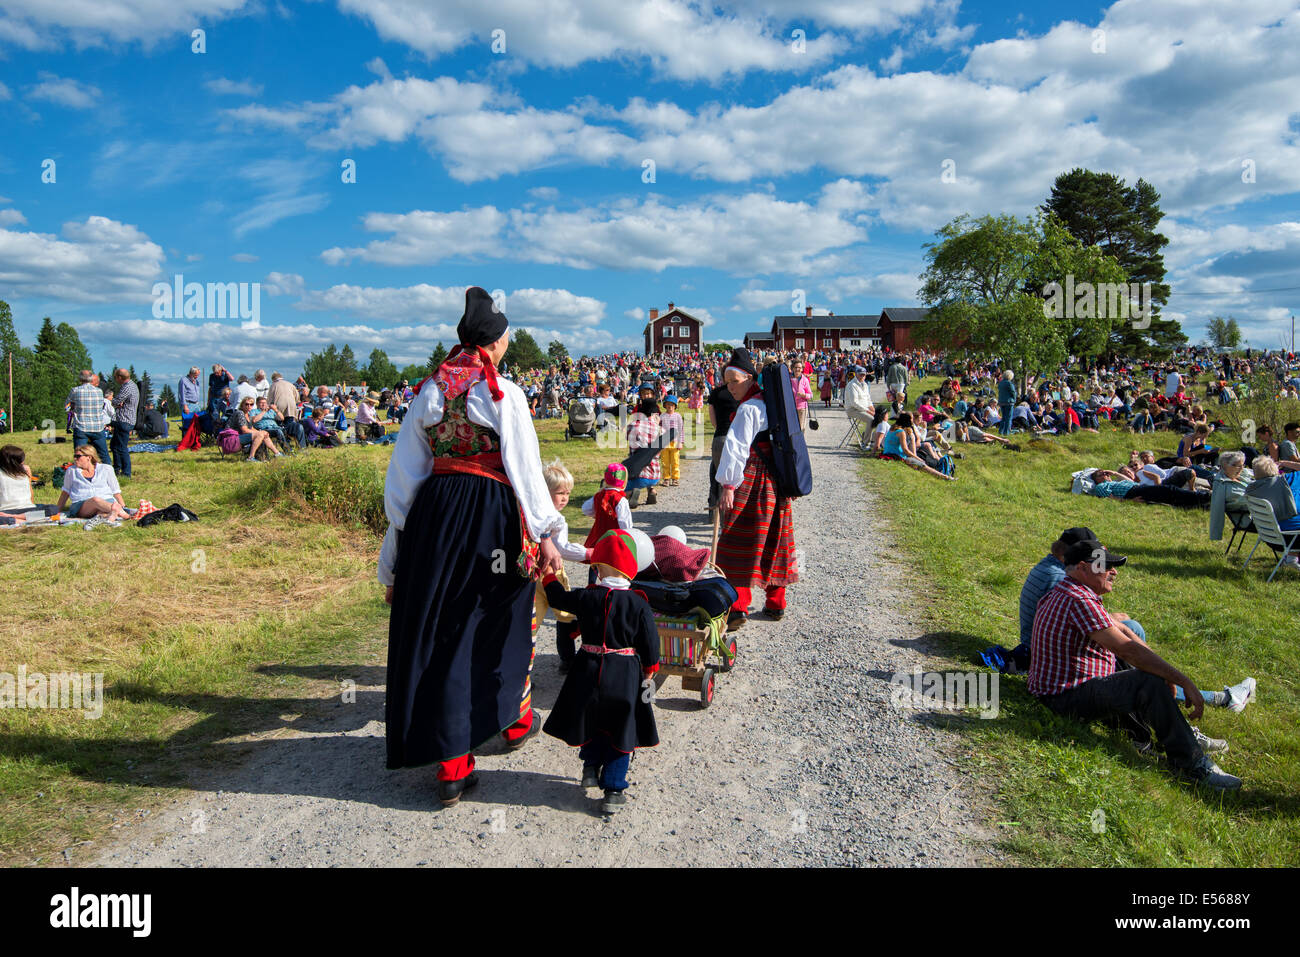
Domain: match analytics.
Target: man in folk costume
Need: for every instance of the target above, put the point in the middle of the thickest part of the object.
(469, 523)
(756, 533)
(602, 708)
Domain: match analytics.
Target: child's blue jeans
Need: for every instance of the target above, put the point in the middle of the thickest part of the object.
(613, 764)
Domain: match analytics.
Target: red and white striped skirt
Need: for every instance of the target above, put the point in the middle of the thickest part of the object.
(756, 538)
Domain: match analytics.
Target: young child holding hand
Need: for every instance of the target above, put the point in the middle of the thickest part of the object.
(602, 708)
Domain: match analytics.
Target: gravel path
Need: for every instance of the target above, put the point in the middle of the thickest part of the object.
(800, 760)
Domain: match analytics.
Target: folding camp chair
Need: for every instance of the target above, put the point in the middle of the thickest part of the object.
(1241, 525)
(857, 432)
(1266, 527)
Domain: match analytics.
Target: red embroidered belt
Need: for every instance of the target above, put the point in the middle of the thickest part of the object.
(486, 465)
(598, 650)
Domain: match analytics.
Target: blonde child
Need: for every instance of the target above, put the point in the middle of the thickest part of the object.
(559, 482)
(673, 426)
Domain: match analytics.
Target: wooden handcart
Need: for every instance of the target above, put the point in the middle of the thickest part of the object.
(695, 648)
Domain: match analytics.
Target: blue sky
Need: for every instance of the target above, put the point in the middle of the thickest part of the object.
(776, 167)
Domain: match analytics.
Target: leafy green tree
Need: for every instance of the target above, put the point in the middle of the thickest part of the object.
(719, 347)
(23, 414)
(524, 353)
(557, 351)
(1099, 209)
(985, 286)
(167, 400)
(413, 373)
(379, 372)
(1224, 334)
(323, 368)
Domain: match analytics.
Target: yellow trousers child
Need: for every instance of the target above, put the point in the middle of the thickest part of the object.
(671, 461)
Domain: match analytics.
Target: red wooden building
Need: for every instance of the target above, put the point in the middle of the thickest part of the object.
(674, 331)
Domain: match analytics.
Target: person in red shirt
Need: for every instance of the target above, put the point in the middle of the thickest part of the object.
(1074, 668)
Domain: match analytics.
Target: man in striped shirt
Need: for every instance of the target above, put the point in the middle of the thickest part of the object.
(1074, 669)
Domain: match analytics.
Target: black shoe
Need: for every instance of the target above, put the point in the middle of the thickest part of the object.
(651, 499)
(518, 743)
(775, 614)
(449, 792)
(736, 620)
(590, 776)
(613, 801)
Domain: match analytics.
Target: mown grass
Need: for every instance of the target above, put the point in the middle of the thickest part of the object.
(207, 634)
(975, 540)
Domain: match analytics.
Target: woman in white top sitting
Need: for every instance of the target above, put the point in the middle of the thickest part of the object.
(16, 486)
(91, 486)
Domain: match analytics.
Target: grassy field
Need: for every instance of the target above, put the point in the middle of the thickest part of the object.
(974, 541)
(207, 634)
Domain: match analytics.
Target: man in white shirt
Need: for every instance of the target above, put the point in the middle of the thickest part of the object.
(244, 390)
(1173, 384)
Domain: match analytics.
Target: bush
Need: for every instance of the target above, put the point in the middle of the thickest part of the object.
(337, 486)
(1260, 403)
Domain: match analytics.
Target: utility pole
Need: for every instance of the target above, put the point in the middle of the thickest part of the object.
(11, 389)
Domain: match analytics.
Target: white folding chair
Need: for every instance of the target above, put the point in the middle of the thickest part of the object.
(1266, 527)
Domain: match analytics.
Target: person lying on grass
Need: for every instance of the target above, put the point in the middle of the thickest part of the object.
(1108, 484)
(1074, 670)
(900, 444)
(16, 487)
(977, 436)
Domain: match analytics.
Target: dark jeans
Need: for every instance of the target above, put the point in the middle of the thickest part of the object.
(292, 428)
(1137, 702)
(95, 439)
(1166, 494)
(598, 753)
(120, 444)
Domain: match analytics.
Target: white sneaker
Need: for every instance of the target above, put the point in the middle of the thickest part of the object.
(1208, 743)
(1240, 695)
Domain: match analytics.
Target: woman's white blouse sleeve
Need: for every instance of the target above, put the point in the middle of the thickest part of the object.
(521, 456)
(410, 465)
(624, 515)
(751, 419)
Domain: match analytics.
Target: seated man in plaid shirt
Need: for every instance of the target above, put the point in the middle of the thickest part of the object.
(1073, 668)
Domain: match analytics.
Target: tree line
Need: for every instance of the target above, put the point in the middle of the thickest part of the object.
(988, 280)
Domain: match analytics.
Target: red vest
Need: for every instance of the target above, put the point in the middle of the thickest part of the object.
(605, 511)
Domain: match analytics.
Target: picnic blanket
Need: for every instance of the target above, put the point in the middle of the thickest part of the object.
(150, 447)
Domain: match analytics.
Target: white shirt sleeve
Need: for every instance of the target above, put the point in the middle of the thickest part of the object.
(751, 419)
(588, 507)
(624, 515)
(412, 460)
(569, 551)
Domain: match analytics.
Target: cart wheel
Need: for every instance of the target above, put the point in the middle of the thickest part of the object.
(731, 662)
(706, 687)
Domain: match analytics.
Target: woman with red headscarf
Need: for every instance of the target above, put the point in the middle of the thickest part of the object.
(470, 520)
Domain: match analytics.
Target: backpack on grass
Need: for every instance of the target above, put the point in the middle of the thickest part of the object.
(228, 439)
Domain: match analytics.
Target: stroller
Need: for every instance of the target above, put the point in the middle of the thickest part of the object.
(582, 421)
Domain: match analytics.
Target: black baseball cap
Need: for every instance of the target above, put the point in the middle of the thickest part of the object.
(1091, 550)
(1077, 534)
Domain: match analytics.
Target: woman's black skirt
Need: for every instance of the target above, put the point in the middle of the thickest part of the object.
(459, 635)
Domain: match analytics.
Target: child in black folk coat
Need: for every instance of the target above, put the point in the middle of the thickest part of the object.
(605, 705)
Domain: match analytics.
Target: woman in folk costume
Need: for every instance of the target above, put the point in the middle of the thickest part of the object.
(756, 536)
(467, 507)
(602, 707)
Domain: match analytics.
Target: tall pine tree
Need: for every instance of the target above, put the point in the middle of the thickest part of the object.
(1100, 210)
